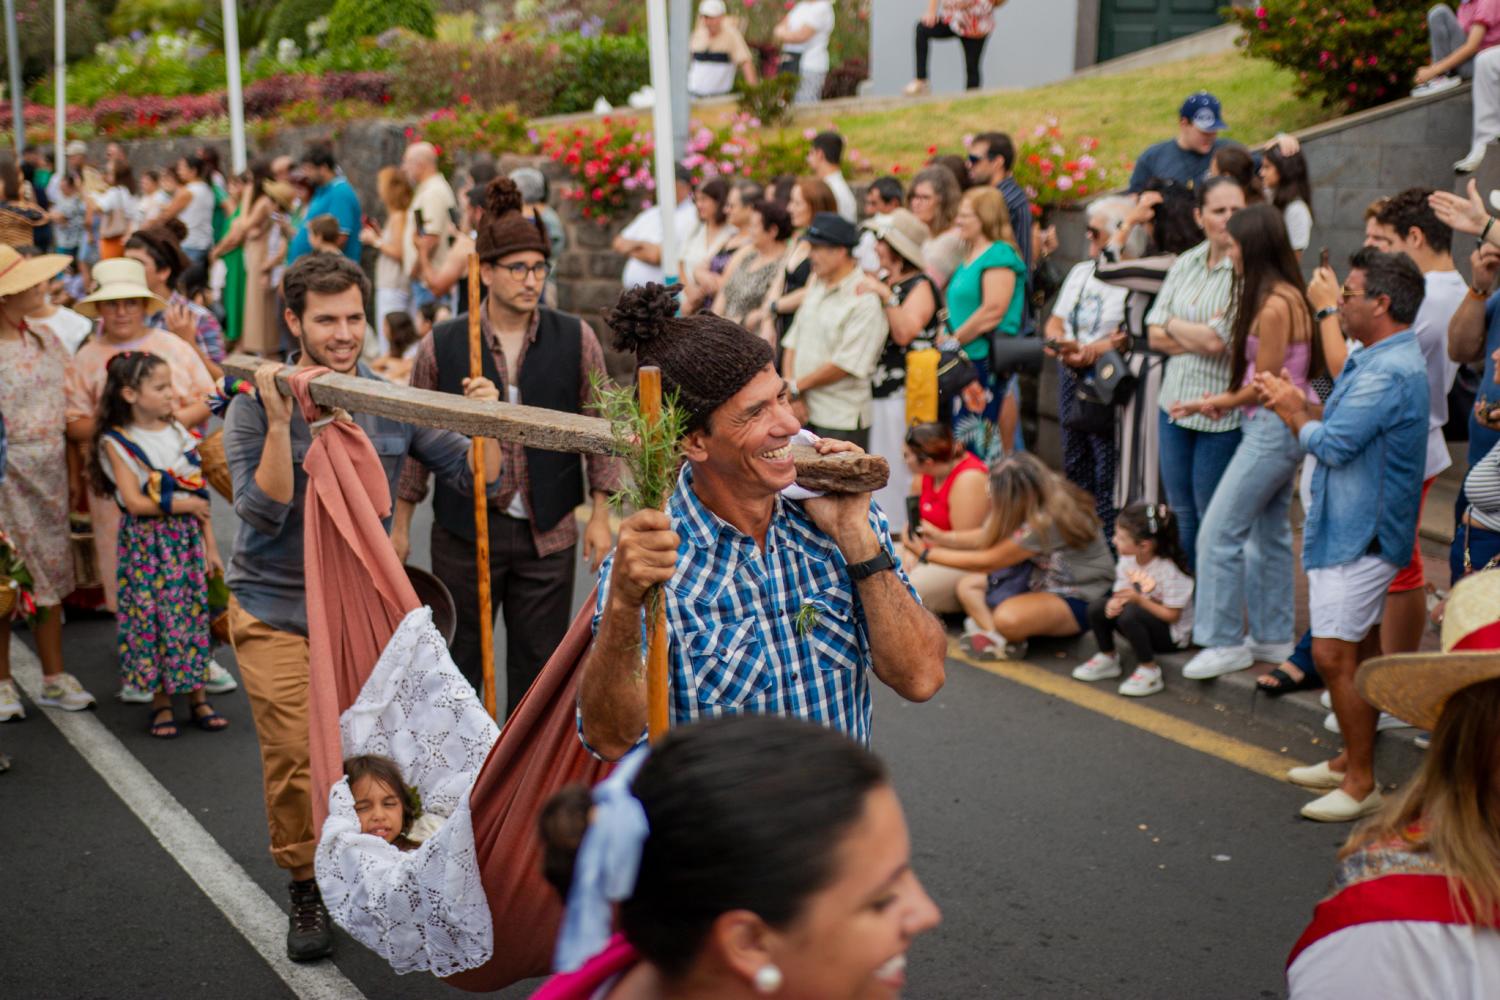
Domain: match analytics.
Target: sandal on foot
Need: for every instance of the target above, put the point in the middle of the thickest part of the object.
(1285, 684)
(210, 721)
(162, 729)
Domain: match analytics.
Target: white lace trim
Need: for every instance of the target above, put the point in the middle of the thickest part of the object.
(423, 910)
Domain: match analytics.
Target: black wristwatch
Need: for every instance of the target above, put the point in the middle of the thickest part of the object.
(868, 568)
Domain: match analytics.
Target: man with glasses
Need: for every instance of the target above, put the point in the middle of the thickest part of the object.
(540, 357)
(1371, 446)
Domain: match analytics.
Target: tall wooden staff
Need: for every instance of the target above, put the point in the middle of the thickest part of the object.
(481, 505)
(648, 385)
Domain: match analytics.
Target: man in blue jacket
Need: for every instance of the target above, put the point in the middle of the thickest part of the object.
(1371, 446)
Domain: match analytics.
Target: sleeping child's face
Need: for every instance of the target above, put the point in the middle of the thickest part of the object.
(378, 807)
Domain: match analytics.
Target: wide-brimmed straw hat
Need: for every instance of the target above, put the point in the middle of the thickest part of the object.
(18, 273)
(119, 278)
(902, 232)
(1414, 687)
(281, 192)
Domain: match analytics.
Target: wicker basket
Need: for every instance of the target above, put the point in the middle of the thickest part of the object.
(215, 465)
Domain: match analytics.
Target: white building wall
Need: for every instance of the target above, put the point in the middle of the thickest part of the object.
(1033, 43)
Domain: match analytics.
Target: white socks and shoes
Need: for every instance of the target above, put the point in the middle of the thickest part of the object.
(1471, 163)
(1217, 662)
(10, 702)
(1318, 776)
(1436, 85)
(1100, 667)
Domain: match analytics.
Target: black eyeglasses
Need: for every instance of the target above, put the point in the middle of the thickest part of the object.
(520, 271)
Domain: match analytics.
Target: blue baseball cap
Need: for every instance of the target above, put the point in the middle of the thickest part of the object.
(1203, 111)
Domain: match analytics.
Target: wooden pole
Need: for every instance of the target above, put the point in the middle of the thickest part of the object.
(648, 384)
(481, 505)
(533, 426)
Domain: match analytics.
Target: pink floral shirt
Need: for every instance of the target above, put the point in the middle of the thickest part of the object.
(975, 18)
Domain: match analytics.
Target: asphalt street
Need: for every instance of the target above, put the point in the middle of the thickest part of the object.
(1093, 849)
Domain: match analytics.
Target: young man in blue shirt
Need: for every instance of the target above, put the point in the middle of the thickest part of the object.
(332, 195)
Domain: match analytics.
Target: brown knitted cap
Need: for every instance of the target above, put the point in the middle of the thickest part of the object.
(704, 358)
(504, 230)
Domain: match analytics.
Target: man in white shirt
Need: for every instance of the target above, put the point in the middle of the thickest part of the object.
(718, 52)
(803, 34)
(835, 342)
(429, 220)
(1405, 223)
(641, 239)
(823, 159)
(882, 197)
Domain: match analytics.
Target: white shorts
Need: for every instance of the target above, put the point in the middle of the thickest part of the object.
(1347, 600)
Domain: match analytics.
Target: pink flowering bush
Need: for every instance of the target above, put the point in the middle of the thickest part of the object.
(1347, 53)
(608, 166)
(1058, 170)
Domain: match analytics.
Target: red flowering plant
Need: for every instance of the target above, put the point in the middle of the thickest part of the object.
(1347, 53)
(741, 147)
(466, 127)
(1058, 170)
(608, 165)
(16, 598)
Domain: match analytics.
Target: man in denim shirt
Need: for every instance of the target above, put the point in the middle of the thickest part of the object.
(265, 440)
(1371, 446)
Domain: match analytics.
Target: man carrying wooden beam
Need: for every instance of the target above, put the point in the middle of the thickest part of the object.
(265, 440)
(543, 358)
(773, 605)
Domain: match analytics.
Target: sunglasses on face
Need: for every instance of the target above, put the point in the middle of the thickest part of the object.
(1353, 293)
(974, 158)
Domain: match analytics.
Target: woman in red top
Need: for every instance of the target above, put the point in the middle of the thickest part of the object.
(952, 487)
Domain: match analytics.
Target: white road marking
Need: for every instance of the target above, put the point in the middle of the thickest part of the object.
(244, 903)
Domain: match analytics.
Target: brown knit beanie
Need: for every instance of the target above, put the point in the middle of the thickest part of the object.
(705, 359)
(504, 230)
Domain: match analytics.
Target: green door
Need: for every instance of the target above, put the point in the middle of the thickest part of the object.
(1128, 25)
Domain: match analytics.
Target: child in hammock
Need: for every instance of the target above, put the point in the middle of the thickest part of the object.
(386, 807)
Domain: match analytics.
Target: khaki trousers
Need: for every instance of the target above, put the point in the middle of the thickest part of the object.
(273, 666)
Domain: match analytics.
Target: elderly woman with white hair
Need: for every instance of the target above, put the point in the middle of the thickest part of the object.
(1085, 325)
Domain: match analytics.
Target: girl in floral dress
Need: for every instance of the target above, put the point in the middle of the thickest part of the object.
(34, 493)
(150, 463)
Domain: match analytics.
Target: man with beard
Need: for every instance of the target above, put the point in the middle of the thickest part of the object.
(265, 440)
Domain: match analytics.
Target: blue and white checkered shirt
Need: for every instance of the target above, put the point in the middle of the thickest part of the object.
(739, 640)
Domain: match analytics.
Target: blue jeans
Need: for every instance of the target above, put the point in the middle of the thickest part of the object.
(1246, 541)
(1192, 463)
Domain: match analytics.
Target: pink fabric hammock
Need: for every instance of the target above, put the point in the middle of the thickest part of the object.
(357, 596)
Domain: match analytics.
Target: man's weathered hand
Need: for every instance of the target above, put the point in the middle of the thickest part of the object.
(597, 540)
(645, 556)
(481, 389)
(1485, 265)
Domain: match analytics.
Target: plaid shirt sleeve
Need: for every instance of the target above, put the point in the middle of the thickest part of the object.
(412, 486)
(210, 335)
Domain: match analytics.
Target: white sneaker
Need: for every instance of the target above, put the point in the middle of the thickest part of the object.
(133, 695)
(970, 626)
(1326, 700)
(1387, 721)
(1271, 652)
(220, 681)
(10, 702)
(1217, 662)
(1338, 806)
(1145, 681)
(1436, 85)
(1471, 163)
(64, 692)
(1100, 667)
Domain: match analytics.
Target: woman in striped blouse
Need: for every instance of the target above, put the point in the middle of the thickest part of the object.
(1190, 323)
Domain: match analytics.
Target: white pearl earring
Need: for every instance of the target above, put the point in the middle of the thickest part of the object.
(767, 979)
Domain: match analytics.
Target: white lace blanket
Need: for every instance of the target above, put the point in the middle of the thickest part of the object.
(424, 910)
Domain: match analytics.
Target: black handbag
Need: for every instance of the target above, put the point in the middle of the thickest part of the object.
(1109, 382)
(1012, 355)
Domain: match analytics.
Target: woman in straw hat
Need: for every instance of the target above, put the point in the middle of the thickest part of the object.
(122, 302)
(1417, 893)
(34, 493)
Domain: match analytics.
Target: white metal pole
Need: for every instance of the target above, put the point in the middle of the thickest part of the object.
(17, 96)
(236, 95)
(661, 120)
(677, 38)
(60, 79)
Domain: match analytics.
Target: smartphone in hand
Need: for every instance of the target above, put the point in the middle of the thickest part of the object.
(1323, 257)
(914, 515)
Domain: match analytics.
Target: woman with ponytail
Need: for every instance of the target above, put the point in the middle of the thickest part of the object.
(749, 857)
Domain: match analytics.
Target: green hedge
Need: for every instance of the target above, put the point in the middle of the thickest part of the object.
(608, 66)
(352, 20)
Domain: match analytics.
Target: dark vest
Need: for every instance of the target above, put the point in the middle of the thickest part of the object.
(549, 378)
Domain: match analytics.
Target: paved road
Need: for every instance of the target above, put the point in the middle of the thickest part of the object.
(1106, 849)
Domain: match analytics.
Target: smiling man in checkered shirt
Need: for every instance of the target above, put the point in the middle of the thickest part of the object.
(774, 606)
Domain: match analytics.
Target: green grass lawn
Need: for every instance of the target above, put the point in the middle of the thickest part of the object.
(1125, 112)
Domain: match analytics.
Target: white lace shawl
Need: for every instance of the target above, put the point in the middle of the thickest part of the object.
(423, 910)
